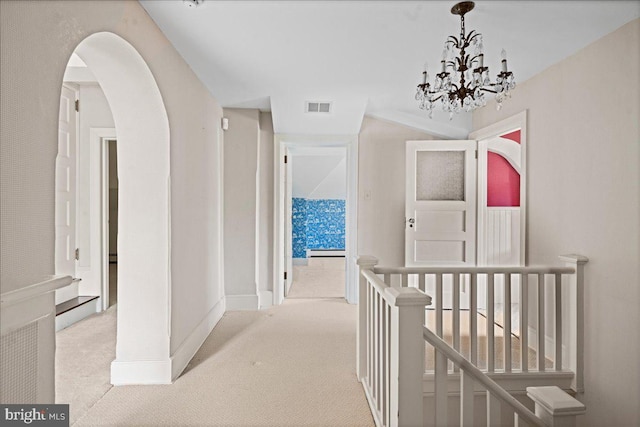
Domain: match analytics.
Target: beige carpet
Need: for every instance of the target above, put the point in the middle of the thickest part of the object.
(321, 278)
(465, 342)
(290, 365)
(84, 352)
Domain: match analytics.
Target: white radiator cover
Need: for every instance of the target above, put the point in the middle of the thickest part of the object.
(27, 343)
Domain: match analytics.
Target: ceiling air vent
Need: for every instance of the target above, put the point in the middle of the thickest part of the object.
(318, 107)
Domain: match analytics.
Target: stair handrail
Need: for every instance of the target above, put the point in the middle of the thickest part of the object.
(450, 353)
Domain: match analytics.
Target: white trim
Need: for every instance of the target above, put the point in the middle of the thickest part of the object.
(141, 372)
(517, 121)
(242, 302)
(307, 143)
(265, 299)
(300, 261)
(190, 346)
(99, 137)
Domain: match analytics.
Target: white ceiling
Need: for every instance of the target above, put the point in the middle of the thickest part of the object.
(365, 56)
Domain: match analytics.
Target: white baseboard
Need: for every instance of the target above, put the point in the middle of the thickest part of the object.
(266, 299)
(141, 372)
(77, 314)
(300, 261)
(242, 302)
(183, 355)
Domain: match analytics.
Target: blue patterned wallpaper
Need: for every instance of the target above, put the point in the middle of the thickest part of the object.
(317, 224)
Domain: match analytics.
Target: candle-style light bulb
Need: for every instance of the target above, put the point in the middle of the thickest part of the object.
(503, 55)
(424, 74)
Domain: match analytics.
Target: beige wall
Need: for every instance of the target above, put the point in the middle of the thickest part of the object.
(265, 211)
(381, 173)
(584, 197)
(37, 39)
(240, 168)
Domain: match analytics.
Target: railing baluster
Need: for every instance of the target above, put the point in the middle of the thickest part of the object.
(541, 324)
(405, 280)
(387, 323)
(507, 322)
(383, 366)
(466, 399)
(494, 410)
(439, 305)
(441, 389)
(387, 279)
(376, 346)
(524, 322)
(473, 318)
(491, 366)
(558, 288)
(421, 280)
(456, 315)
(370, 294)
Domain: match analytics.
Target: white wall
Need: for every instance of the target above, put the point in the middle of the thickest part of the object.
(94, 113)
(584, 197)
(186, 292)
(319, 176)
(381, 189)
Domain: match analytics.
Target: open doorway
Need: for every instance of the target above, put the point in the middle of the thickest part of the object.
(317, 196)
(292, 147)
(111, 213)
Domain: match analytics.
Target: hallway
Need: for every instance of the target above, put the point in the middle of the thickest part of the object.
(288, 365)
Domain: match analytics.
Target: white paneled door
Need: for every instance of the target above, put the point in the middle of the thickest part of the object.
(440, 209)
(65, 184)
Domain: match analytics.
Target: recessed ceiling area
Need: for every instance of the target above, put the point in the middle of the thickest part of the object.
(365, 56)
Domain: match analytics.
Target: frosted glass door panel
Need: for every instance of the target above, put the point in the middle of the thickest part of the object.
(440, 175)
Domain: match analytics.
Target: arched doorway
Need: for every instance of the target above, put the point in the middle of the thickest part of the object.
(144, 294)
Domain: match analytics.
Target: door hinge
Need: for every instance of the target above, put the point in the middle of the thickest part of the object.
(77, 105)
(285, 275)
(285, 159)
(77, 254)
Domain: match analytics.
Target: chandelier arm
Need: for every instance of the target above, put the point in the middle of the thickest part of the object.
(488, 90)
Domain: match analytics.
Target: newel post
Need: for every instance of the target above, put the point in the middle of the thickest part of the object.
(576, 316)
(555, 407)
(406, 361)
(365, 262)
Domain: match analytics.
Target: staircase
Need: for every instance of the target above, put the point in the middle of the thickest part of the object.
(473, 376)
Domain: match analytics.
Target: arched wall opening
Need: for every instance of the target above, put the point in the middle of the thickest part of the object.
(144, 291)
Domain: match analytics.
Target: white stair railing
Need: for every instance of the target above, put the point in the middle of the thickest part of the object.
(553, 407)
(390, 310)
(390, 359)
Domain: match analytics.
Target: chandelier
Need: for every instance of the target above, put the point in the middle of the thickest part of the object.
(463, 79)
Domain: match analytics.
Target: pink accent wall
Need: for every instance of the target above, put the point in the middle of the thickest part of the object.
(503, 182)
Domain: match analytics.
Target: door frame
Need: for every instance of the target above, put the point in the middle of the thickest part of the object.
(100, 137)
(517, 121)
(283, 142)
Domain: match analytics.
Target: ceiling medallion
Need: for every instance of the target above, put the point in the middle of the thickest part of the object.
(463, 79)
